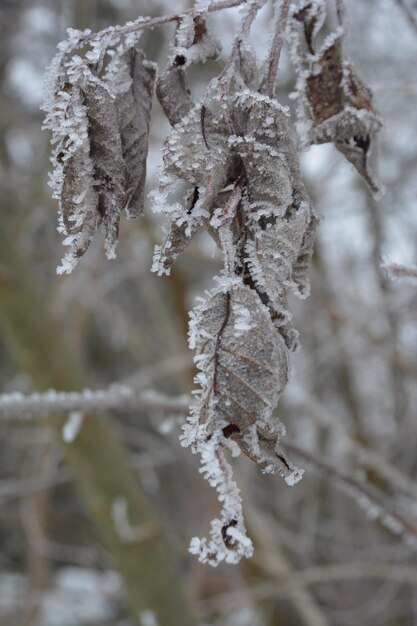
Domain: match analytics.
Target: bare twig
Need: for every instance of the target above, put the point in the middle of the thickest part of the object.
(117, 397)
(340, 10)
(366, 497)
(325, 574)
(276, 47)
(152, 22)
(367, 457)
(248, 18)
(20, 487)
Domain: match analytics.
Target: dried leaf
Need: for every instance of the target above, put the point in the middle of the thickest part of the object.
(311, 15)
(249, 360)
(177, 238)
(244, 365)
(280, 211)
(274, 251)
(193, 44)
(80, 215)
(335, 105)
(134, 108)
(73, 179)
(324, 89)
(301, 268)
(110, 174)
(196, 152)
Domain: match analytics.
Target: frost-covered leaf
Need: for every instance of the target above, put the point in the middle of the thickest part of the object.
(196, 152)
(274, 251)
(100, 127)
(72, 179)
(268, 180)
(244, 369)
(193, 44)
(279, 238)
(177, 239)
(134, 109)
(80, 217)
(265, 141)
(248, 359)
(110, 174)
(324, 88)
(334, 103)
(197, 149)
(311, 15)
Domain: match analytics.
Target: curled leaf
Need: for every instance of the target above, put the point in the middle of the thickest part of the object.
(180, 231)
(73, 179)
(244, 369)
(273, 253)
(79, 208)
(134, 109)
(197, 153)
(193, 44)
(334, 103)
(280, 215)
(110, 173)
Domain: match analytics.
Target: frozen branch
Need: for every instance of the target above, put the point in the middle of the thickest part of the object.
(142, 23)
(367, 457)
(365, 496)
(116, 397)
(325, 574)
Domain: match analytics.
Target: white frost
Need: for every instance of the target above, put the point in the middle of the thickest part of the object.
(72, 426)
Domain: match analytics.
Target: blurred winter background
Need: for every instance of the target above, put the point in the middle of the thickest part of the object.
(88, 524)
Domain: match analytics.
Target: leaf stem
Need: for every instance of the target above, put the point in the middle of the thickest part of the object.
(276, 47)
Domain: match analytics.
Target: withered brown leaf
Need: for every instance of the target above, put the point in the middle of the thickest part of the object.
(134, 108)
(110, 173)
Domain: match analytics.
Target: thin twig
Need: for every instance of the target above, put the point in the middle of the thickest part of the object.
(248, 18)
(367, 457)
(366, 497)
(325, 574)
(116, 397)
(340, 10)
(276, 47)
(152, 22)
(21, 487)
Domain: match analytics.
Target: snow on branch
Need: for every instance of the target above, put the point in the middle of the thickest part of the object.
(116, 397)
(366, 497)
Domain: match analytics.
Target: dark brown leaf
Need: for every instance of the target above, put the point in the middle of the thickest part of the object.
(110, 174)
(134, 108)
